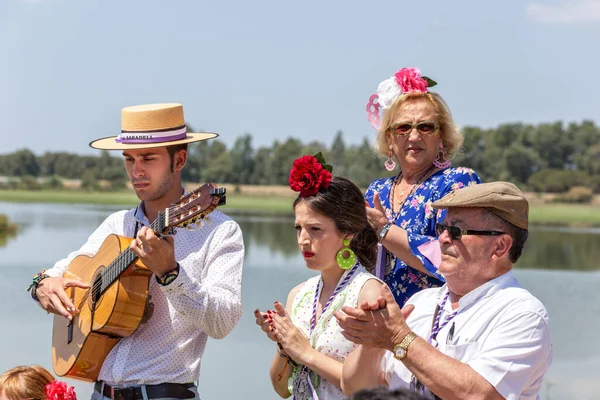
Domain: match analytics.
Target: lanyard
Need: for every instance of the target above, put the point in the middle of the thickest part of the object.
(415, 384)
(302, 386)
(437, 327)
(340, 285)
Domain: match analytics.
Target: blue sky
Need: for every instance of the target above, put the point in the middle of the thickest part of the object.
(277, 69)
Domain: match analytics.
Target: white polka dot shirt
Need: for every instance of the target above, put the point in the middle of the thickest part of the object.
(204, 300)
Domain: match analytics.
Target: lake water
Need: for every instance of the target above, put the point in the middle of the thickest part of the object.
(560, 266)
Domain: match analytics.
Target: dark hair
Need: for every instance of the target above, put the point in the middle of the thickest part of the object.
(174, 149)
(383, 393)
(344, 203)
(518, 235)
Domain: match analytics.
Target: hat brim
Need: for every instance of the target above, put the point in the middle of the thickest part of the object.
(109, 143)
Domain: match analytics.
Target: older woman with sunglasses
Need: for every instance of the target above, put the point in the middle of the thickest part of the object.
(417, 133)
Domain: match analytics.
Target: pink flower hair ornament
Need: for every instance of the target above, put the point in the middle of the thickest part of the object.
(406, 80)
(58, 390)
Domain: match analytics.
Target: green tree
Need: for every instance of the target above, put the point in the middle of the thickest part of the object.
(89, 180)
(242, 159)
(23, 163)
(261, 175)
(472, 152)
(337, 155)
(521, 162)
(219, 170)
(552, 145)
(116, 175)
(282, 159)
(364, 165)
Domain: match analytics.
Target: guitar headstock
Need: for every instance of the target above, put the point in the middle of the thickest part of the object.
(193, 207)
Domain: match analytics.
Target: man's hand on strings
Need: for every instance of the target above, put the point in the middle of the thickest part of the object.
(53, 297)
(157, 253)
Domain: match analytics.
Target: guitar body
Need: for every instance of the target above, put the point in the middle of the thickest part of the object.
(114, 306)
(79, 348)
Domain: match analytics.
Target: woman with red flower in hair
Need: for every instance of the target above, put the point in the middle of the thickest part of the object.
(33, 382)
(336, 241)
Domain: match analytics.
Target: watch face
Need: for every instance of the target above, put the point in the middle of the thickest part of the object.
(400, 352)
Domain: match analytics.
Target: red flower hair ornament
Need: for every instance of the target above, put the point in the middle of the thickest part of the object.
(58, 390)
(309, 174)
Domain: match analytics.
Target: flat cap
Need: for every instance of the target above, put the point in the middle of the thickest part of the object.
(501, 198)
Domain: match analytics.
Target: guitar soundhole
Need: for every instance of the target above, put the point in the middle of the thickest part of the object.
(96, 290)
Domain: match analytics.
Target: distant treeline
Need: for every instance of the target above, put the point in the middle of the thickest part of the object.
(545, 158)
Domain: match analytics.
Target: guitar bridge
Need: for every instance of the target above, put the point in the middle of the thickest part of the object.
(70, 326)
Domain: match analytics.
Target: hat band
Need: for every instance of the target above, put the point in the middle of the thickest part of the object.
(141, 137)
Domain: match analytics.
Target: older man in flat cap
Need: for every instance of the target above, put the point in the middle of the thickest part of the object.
(479, 336)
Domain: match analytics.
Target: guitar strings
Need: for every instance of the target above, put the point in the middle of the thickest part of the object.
(98, 283)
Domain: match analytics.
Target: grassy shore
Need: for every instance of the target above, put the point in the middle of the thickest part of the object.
(258, 204)
(273, 202)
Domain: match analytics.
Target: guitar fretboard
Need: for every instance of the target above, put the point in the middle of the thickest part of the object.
(124, 260)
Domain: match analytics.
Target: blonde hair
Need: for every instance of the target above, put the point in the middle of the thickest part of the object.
(450, 134)
(25, 382)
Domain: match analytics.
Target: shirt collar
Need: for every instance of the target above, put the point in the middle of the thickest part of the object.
(487, 289)
(140, 213)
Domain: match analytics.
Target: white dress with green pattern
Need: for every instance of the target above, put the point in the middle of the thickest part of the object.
(327, 337)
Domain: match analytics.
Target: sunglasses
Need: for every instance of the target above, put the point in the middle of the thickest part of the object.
(456, 232)
(424, 128)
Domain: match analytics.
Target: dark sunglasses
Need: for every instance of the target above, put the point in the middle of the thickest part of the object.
(424, 128)
(456, 232)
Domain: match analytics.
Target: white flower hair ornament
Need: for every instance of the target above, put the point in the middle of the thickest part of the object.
(406, 80)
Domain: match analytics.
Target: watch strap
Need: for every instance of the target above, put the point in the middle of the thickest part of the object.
(408, 339)
(384, 231)
(169, 276)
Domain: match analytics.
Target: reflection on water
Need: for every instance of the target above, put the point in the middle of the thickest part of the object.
(546, 248)
(562, 248)
(276, 234)
(273, 265)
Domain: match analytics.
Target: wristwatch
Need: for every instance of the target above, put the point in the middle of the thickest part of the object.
(383, 232)
(401, 350)
(169, 276)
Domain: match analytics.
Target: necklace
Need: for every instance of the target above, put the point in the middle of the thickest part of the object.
(413, 188)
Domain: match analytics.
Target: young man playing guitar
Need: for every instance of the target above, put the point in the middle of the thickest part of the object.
(195, 288)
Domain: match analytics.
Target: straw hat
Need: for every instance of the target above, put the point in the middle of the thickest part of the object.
(151, 125)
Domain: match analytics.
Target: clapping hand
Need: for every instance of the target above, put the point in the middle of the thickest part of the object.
(263, 320)
(292, 339)
(378, 324)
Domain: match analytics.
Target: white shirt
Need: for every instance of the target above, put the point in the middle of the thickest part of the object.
(501, 331)
(204, 300)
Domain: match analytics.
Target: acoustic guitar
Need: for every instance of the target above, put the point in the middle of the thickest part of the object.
(114, 305)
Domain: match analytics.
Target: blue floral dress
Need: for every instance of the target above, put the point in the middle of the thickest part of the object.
(418, 218)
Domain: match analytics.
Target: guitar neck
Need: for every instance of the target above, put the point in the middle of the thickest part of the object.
(127, 257)
(190, 208)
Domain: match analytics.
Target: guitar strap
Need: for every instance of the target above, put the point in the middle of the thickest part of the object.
(136, 229)
(137, 223)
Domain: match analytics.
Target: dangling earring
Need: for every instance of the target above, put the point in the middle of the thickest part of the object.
(441, 161)
(390, 164)
(346, 262)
